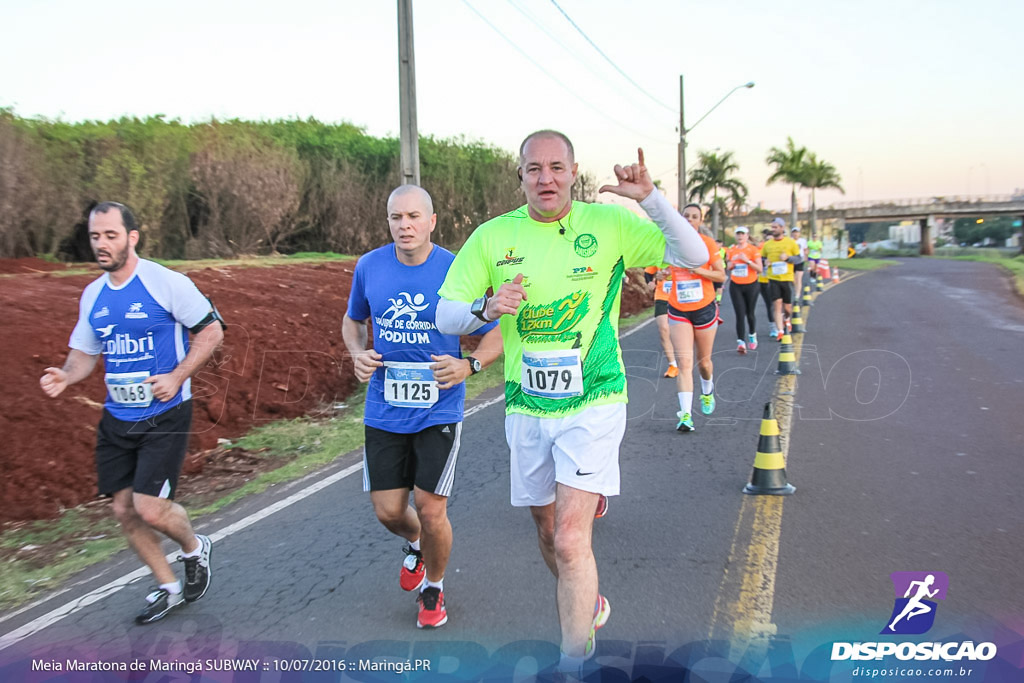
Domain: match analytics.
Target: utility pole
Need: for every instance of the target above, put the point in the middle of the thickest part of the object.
(410, 141)
(682, 148)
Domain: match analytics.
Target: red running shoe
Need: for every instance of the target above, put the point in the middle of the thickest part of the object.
(432, 611)
(602, 506)
(413, 571)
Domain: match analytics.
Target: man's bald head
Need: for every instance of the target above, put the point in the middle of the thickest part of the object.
(547, 134)
(416, 190)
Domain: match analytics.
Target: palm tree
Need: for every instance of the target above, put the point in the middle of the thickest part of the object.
(713, 173)
(819, 175)
(789, 168)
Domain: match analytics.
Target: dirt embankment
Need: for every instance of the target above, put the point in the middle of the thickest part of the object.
(282, 357)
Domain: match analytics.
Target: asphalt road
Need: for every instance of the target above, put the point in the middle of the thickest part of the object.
(901, 435)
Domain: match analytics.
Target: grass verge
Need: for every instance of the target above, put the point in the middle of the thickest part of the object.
(1014, 265)
(862, 263)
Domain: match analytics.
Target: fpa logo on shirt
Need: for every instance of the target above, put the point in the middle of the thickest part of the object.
(914, 609)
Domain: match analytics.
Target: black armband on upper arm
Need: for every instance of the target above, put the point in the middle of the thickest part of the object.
(213, 315)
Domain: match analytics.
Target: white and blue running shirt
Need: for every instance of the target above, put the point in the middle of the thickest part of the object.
(402, 301)
(142, 329)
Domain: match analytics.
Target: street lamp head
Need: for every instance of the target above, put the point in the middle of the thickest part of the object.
(749, 85)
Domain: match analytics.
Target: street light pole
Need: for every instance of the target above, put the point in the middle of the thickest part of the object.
(683, 130)
(409, 135)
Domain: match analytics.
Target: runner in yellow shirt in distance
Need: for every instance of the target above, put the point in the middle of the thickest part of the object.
(780, 252)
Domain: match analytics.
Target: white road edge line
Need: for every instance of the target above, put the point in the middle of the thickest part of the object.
(52, 617)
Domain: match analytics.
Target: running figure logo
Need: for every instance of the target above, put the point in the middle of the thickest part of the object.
(914, 609)
(405, 304)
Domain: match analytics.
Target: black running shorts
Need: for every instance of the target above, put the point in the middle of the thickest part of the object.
(780, 289)
(660, 307)
(700, 319)
(798, 267)
(424, 459)
(144, 456)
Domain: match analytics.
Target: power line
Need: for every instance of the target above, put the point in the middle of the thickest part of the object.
(576, 56)
(608, 59)
(556, 79)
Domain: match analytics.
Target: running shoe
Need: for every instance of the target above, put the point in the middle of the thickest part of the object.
(158, 603)
(673, 370)
(602, 506)
(707, 403)
(789, 327)
(752, 342)
(602, 610)
(741, 347)
(773, 330)
(197, 570)
(432, 610)
(778, 336)
(685, 423)
(413, 571)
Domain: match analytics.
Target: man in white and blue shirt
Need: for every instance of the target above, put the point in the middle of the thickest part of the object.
(154, 330)
(414, 403)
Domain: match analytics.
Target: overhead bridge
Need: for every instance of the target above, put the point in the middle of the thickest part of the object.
(925, 210)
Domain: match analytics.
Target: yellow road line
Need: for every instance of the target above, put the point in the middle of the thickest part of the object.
(743, 607)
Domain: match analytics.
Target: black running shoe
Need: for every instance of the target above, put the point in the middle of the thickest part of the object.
(158, 603)
(198, 571)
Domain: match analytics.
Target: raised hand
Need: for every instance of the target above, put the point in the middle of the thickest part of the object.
(634, 180)
(507, 299)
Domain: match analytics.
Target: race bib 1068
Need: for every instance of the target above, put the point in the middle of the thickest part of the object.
(127, 388)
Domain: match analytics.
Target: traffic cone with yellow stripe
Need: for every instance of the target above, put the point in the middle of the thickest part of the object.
(787, 357)
(769, 475)
(835, 274)
(797, 319)
(807, 296)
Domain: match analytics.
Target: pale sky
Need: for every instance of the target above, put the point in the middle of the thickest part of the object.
(906, 98)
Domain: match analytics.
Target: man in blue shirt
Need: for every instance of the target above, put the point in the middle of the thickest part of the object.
(139, 316)
(414, 403)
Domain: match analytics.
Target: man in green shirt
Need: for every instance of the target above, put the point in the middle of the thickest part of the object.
(555, 268)
(814, 247)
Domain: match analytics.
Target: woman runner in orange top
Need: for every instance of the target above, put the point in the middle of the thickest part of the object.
(693, 317)
(743, 261)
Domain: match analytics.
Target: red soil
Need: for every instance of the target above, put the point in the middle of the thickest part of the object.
(282, 357)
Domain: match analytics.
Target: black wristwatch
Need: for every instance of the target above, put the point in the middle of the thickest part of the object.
(479, 308)
(474, 365)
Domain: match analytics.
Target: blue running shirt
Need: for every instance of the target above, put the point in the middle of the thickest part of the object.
(402, 302)
(141, 328)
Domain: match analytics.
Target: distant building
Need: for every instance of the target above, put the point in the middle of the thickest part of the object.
(908, 232)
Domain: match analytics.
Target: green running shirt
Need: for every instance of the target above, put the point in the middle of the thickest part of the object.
(573, 284)
(814, 248)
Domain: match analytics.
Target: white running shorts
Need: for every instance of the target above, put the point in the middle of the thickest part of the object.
(581, 451)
